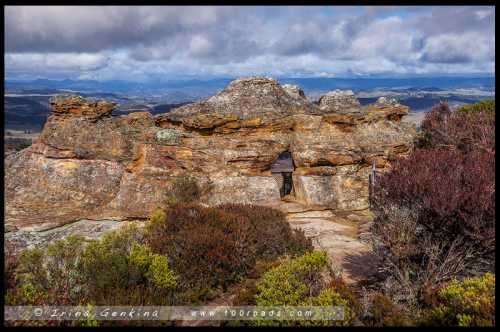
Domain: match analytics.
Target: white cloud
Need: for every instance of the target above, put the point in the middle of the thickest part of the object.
(141, 42)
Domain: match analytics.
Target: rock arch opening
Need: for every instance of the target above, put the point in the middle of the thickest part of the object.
(282, 169)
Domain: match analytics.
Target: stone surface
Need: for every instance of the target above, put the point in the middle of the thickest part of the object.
(339, 101)
(89, 164)
(344, 239)
(88, 229)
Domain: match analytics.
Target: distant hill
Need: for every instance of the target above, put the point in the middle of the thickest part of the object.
(313, 83)
(26, 103)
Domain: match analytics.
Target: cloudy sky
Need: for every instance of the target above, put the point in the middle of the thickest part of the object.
(142, 43)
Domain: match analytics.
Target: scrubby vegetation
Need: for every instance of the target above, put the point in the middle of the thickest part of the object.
(487, 105)
(470, 302)
(434, 234)
(213, 248)
(186, 254)
(435, 209)
(301, 282)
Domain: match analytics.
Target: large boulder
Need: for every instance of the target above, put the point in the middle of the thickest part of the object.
(339, 101)
(248, 102)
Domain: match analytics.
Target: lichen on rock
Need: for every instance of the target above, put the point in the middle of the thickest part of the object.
(169, 136)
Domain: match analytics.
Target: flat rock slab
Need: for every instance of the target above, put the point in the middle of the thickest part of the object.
(343, 235)
(312, 214)
(89, 229)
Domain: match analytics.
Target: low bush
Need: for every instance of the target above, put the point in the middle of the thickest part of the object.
(487, 105)
(119, 269)
(462, 130)
(115, 270)
(269, 231)
(452, 197)
(470, 302)
(301, 282)
(384, 312)
(435, 209)
(216, 247)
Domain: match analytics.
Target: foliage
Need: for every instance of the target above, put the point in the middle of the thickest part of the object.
(461, 130)
(269, 231)
(383, 312)
(116, 269)
(470, 302)
(487, 105)
(300, 282)
(293, 280)
(106, 263)
(216, 247)
(435, 209)
(452, 196)
(347, 292)
(159, 272)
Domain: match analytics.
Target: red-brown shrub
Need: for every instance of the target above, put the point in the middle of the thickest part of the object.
(452, 193)
(215, 247)
(269, 231)
(465, 131)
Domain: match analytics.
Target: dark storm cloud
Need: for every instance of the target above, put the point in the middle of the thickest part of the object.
(92, 29)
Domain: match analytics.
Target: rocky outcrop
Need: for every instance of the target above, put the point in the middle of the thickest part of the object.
(339, 101)
(89, 164)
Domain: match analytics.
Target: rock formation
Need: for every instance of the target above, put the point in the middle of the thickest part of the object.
(89, 164)
(339, 101)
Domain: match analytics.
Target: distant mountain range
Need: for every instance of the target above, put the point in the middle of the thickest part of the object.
(308, 84)
(26, 104)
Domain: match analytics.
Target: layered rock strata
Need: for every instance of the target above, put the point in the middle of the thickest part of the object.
(89, 164)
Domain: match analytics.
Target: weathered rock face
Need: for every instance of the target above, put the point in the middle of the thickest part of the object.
(88, 164)
(339, 101)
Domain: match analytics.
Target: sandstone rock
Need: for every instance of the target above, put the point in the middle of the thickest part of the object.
(243, 99)
(245, 190)
(294, 91)
(88, 229)
(88, 164)
(77, 106)
(336, 192)
(339, 101)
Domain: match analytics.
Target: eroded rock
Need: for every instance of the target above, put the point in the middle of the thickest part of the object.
(88, 164)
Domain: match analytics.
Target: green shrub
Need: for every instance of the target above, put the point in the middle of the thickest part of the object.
(50, 275)
(484, 105)
(62, 259)
(160, 274)
(106, 264)
(293, 281)
(114, 270)
(119, 268)
(470, 302)
(299, 282)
